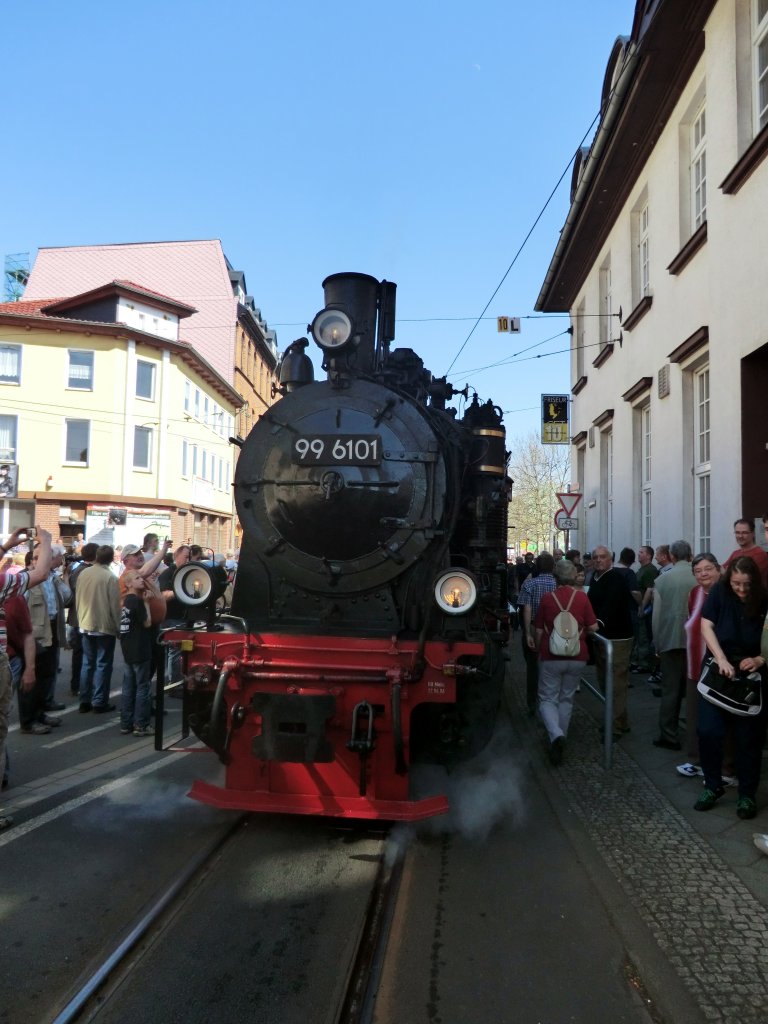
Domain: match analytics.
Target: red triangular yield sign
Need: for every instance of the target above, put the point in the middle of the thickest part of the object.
(568, 501)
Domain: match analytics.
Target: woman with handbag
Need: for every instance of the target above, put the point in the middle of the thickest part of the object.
(706, 571)
(731, 625)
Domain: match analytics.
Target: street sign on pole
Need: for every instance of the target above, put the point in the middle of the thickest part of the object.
(565, 522)
(554, 419)
(568, 502)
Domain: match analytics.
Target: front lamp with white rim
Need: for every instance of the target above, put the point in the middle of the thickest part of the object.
(455, 592)
(193, 584)
(331, 329)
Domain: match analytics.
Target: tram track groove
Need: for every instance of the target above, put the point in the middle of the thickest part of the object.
(164, 905)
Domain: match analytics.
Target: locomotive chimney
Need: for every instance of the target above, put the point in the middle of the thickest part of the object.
(358, 296)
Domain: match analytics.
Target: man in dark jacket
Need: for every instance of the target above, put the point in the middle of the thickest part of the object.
(613, 603)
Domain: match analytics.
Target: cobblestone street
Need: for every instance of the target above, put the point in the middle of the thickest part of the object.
(697, 880)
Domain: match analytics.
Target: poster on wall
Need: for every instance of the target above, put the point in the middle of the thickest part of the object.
(110, 524)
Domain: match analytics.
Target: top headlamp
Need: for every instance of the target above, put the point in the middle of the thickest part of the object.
(331, 329)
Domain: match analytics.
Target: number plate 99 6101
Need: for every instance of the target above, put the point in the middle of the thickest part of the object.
(337, 450)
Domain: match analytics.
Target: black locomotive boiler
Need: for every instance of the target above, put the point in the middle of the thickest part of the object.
(369, 611)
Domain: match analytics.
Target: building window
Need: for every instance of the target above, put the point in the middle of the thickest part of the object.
(606, 304)
(197, 403)
(145, 379)
(701, 461)
(204, 465)
(760, 50)
(80, 372)
(699, 169)
(8, 430)
(579, 333)
(77, 440)
(647, 498)
(142, 448)
(187, 396)
(644, 253)
(10, 364)
(194, 460)
(606, 486)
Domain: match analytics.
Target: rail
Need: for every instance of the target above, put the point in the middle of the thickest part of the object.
(606, 697)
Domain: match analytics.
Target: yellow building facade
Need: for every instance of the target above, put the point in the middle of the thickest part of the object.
(113, 431)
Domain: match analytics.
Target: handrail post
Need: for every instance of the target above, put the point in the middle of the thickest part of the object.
(608, 721)
(606, 696)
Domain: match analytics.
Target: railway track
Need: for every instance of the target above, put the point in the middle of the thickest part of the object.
(144, 974)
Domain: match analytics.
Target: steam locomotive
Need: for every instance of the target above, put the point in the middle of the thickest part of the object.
(369, 613)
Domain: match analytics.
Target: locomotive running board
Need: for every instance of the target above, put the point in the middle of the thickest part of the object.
(305, 803)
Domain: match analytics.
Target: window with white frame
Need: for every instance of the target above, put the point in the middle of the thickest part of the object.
(701, 458)
(205, 409)
(606, 486)
(760, 58)
(185, 458)
(8, 432)
(645, 475)
(606, 304)
(145, 379)
(699, 168)
(644, 253)
(187, 396)
(142, 448)
(10, 364)
(579, 333)
(204, 465)
(77, 436)
(80, 370)
(194, 460)
(197, 403)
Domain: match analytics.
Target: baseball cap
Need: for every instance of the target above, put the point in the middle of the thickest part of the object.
(130, 549)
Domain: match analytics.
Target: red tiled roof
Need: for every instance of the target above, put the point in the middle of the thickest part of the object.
(26, 307)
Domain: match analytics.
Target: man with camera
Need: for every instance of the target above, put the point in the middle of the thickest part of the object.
(10, 586)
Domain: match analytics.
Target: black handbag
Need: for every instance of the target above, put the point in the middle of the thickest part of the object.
(741, 695)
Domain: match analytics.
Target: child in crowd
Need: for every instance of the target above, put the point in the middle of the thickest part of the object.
(136, 644)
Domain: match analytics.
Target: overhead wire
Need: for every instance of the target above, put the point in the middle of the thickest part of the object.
(522, 245)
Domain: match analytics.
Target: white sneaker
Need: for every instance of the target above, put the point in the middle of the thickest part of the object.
(761, 841)
(691, 770)
(730, 780)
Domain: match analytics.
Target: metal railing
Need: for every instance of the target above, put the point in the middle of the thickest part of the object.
(606, 698)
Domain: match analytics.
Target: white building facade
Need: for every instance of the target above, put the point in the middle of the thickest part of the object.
(662, 268)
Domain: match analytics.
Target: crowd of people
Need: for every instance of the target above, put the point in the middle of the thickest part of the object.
(671, 617)
(86, 599)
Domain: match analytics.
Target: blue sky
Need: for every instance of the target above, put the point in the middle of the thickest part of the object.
(414, 141)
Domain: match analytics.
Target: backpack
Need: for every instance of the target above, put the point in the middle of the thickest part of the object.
(565, 638)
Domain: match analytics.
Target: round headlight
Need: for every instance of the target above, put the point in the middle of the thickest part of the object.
(193, 584)
(455, 592)
(331, 328)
